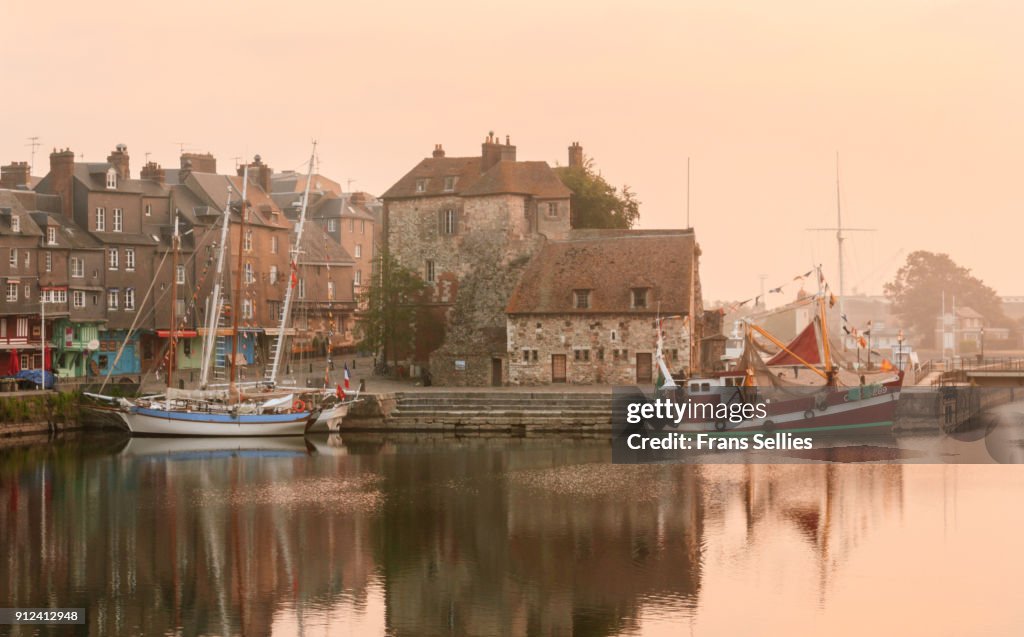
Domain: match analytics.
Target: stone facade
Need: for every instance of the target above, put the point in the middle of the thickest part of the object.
(469, 226)
(604, 349)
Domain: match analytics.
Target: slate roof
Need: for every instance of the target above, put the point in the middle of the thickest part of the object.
(13, 205)
(338, 207)
(609, 264)
(319, 248)
(69, 235)
(213, 190)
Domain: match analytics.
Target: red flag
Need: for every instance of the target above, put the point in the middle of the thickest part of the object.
(341, 393)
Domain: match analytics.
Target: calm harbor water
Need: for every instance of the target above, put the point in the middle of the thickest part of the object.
(434, 535)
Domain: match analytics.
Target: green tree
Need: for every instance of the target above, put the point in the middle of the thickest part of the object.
(390, 307)
(596, 203)
(918, 289)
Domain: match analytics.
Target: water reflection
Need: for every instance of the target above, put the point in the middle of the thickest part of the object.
(431, 535)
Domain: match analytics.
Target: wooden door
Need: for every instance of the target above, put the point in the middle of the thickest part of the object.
(643, 367)
(496, 372)
(558, 368)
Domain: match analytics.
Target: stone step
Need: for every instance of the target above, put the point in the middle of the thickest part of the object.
(504, 395)
(431, 404)
(497, 413)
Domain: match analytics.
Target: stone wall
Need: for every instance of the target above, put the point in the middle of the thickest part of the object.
(475, 269)
(599, 349)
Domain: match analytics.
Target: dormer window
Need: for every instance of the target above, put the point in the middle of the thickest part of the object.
(111, 178)
(15, 223)
(421, 185)
(581, 299)
(640, 298)
(51, 235)
(449, 183)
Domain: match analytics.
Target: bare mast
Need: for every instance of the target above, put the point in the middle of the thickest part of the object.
(216, 300)
(172, 347)
(289, 289)
(237, 292)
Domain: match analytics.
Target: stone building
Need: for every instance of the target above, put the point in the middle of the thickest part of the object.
(585, 309)
(469, 226)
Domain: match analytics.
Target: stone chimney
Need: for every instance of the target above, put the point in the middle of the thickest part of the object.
(119, 160)
(153, 172)
(15, 175)
(259, 173)
(575, 155)
(62, 171)
(492, 151)
(438, 151)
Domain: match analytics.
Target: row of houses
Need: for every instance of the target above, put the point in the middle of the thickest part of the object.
(515, 293)
(89, 247)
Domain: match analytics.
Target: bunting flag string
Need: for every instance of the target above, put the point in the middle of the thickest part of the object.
(726, 309)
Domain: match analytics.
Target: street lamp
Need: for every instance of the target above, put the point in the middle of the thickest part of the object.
(981, 355)
(899, 350)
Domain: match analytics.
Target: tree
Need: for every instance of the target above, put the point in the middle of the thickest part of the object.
(390, 306)
(596, 203)
(918, 289)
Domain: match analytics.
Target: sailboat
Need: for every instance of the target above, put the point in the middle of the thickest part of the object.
(208, 411)
(829, 397)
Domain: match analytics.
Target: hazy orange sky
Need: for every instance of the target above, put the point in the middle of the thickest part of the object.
(923, 100)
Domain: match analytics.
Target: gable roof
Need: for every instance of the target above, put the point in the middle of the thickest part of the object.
(609, 264)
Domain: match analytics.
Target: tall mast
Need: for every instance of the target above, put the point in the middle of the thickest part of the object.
(236, 307)
(216, 302)
(839, 243)
(172, 349)
(289, 289)
(42, 332)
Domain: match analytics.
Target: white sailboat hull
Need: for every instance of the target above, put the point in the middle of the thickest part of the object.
(159, 422)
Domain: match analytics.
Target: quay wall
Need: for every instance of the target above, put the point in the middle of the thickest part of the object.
(39, 412)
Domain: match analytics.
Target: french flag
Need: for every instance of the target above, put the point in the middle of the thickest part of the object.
(346, 375)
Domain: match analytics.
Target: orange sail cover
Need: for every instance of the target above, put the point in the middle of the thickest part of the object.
(805, 345)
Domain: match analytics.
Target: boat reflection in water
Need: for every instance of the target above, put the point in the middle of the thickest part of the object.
(431, 535)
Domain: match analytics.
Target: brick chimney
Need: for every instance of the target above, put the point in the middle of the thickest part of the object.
(153, 172)
(62, 171)
(259, 173)
(575, 155)
(438, 151)
(15, 175)
(200, 162)
(119, 160)
(492, 151)
(359, 198)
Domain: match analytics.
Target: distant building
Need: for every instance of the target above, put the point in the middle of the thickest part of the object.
(963, 331)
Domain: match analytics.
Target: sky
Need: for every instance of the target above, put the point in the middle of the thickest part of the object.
(922, 100)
